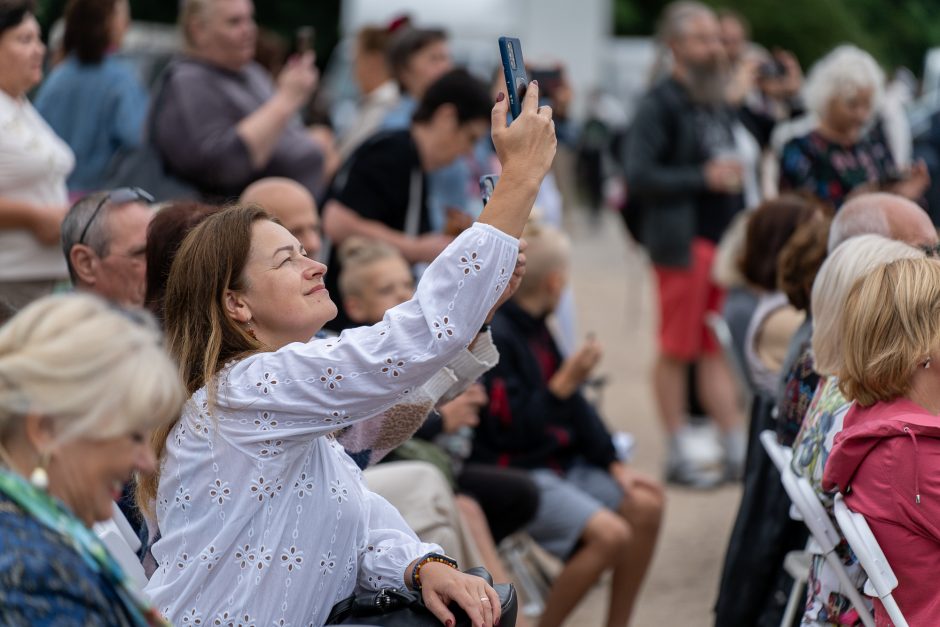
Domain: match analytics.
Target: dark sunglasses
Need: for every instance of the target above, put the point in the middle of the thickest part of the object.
(117, 196)
(931, 250)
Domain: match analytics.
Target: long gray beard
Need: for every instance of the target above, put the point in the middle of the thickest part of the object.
(707, 85)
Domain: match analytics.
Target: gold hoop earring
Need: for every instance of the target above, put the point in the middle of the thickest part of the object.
(39, 478)
(251, 331)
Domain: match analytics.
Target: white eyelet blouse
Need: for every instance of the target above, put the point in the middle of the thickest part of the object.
(265, 522)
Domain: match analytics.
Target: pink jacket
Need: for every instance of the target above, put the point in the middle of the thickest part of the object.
(886, 461)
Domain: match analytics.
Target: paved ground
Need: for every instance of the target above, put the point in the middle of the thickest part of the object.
(616, 302)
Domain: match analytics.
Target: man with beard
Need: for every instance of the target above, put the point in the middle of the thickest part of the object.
(684, 183)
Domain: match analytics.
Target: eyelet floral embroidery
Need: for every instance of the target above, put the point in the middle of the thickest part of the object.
(209, 557)
(265, 421)
(228, 620)
(267, 383)
(442, 328)
(183, 498)
(183, 561)
(304, 486)
(470, 263)
(292, 559)
(331, 378)
(219, 491)
(338, 491)
(271, 448)
(262, 488)
(246, 557)
(327, 563)
(393, 367)
(193, 617)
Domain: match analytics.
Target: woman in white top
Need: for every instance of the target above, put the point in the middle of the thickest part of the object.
(263, 517)
(34, 164)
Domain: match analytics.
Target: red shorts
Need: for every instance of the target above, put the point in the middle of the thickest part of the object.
(686, 296)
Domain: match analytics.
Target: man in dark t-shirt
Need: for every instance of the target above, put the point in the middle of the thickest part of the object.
(380, 192)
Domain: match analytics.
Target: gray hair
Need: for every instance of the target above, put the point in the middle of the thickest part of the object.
(675, 17)
(848, 263)
(98, 237)
(859, 216)
(843, 73)
(97, 371)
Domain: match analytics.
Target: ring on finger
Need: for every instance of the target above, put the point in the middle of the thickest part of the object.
(484, 599)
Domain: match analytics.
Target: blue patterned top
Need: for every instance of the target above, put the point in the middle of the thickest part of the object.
(44, 581)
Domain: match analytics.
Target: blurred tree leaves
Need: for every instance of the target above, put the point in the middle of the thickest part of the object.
(282, 16)
(896, 32)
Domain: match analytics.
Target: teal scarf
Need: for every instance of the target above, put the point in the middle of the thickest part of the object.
(54, 515)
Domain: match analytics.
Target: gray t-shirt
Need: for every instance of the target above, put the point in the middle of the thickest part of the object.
(195, 130)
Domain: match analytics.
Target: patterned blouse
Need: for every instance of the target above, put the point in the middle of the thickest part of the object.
(830, 171)
(265, 520)
(45, 581)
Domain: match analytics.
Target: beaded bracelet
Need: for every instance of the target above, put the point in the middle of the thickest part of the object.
(430, 557)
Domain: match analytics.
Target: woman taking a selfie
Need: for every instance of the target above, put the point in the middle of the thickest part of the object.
(262, 515)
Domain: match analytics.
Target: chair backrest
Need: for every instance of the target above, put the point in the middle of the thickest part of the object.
(872, 559)
(779, 454)
(721, 331)
(120, 540)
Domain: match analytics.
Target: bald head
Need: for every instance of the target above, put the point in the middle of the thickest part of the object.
(292, 204)
(888, 215)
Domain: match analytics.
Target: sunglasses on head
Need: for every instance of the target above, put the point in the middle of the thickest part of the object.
(117, 196)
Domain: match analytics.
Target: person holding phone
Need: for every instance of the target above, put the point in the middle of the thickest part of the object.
(222, 124)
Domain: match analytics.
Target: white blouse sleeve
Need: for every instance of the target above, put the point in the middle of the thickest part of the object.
(389, 548)
(316, 387)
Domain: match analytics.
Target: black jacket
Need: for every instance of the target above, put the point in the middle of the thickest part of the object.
(525, 425)
(664, 173)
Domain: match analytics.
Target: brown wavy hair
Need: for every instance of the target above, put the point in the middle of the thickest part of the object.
(200, 335)
(88, 28)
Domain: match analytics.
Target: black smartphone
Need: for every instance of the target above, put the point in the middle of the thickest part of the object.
(487, 185)
(304, 38)
(510, 52)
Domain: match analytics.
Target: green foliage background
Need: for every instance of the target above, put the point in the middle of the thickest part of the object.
(283, 16)
(896, 32)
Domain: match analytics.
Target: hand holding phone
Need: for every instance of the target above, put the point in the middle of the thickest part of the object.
(510, 52)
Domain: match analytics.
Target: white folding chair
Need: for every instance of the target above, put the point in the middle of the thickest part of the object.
(796, 563)
(826, 536)
(122, 543)
(881, 579)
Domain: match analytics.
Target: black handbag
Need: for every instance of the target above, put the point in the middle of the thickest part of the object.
(403, 608)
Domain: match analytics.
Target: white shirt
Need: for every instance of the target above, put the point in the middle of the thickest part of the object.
(34, 164)
(264, 518)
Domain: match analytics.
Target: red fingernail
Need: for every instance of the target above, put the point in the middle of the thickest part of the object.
(500, 96)
(535, 83)
(449, 622)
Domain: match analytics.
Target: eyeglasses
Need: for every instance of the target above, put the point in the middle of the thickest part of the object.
(117, 196)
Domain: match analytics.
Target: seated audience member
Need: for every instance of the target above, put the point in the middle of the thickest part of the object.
(93, 100)
(378, 91)
(842, 153)
(380, 192)
(81, 386)
(888, 215)
(168, 228)
(774, 320)
(34, 164)
(850, 262)
(293, 205)
(375, 279)
(797, 266)
(416, 59)
(222, 124)
(104, 239)
(266, 399)
(595, 513)
(885, 460)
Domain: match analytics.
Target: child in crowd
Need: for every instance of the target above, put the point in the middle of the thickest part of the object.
(595, 513)
(375, 277)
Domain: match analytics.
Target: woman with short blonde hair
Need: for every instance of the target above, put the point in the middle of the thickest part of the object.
(887, 457)
(81, 386)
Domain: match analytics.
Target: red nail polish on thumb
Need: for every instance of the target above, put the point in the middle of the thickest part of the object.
(499, 98)
(449, 622)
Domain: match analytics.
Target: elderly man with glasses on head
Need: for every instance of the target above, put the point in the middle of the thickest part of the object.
(104, 238)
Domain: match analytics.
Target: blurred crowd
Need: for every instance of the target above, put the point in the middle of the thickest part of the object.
(285, 355)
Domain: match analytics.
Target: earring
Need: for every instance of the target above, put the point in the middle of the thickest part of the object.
(927, 363)
(251, 331)
(39, 478)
